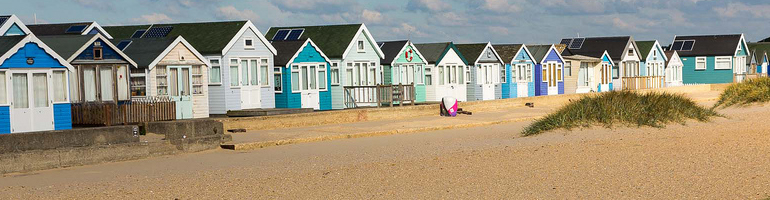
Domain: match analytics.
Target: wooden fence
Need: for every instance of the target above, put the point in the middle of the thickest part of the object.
(379, 95)
(643, 82)
(129, 112)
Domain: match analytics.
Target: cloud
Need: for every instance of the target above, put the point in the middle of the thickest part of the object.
(428, 5)
(737, 9)
(408, 31)
(498, 30)
(448, 19)
(94, 4)
(371, 16)
(154, 18)
(231, 13)
(317, 6)
(499, 6)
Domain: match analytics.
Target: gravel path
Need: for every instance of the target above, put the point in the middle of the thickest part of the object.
(726, 159)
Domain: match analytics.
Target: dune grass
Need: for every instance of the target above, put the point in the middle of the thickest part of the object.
(745, 93)
(622, 107)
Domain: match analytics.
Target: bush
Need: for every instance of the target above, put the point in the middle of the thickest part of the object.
(622, 107)
(748, 92)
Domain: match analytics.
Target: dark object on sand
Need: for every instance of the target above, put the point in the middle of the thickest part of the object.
(530, 104)
(240, 130)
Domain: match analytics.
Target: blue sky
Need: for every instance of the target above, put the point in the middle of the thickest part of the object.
(461, 21)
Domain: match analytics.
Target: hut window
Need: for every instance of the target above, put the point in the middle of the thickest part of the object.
(40, 89)
(248, 43)
(335, 73)
(559, 75)
(428, 76)
(264, 70)
(700, 63)
(3, 88)
(322, 77)
(502, 74)
(440, 75)
(349, 74)
(723, 62)
(105, 83)
(467, 74)
(545, 72)
(215, 74)
(568, 68)
(20, 90)
(197, 79)
(361, 45)
(233, 72)
(160, 74)
(89, 83)
(97, 53)
(295, 78)
(630, 52)
(59, 86)
(277, 80)
(419, 74)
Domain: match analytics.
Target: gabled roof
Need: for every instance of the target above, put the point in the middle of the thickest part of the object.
(595, 47)
(64, 29)
(471, 52)
(7, 21)
(507, 52)
(286, 50)
(711, 45)
(759, 50)
(10, 44)
(644, 48)
(670, 56)
(433, 53)
(583, 58)
(539, 52)
(145, 50)
(334, 40)
(70, 46)
(206, 37)
(391, 50)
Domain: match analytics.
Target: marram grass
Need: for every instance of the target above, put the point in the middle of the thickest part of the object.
(745, 93)
(622, 107)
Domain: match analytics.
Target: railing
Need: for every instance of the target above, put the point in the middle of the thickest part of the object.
(129, 112)
(643, 82)
(378, 95)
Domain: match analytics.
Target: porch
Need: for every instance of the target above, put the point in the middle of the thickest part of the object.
(379, 95)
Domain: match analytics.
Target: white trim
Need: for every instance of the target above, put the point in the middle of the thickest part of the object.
(612, 63)
(106, 41)
(553, 47)
(13, 20)
(99, 28)
(489, 46)
(716, 62)
(304, 45)
(705, 63)
(526, 50)
(179, 40)
(372, 42)
(245, 27)
(32, 38)
(248, 47)
(658, 47)
(742, 42)
(408, 43)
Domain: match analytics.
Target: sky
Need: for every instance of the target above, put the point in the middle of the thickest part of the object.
(422, 21)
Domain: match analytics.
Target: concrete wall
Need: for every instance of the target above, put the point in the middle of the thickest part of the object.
(67, 138)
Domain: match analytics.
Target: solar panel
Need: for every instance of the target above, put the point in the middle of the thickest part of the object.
(677, 46)
(138, 33)
(3, 19)
(76, 29)
(158, 32)
(687, 46)
(295, 34)
(577, 43)
(123, 44)
(566, 41)
(281, 34)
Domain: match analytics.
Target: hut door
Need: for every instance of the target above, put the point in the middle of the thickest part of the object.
(31, 109)
(180, 90)
(309, 86)
(554, 77)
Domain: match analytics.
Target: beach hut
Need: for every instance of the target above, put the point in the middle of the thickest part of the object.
(519, 70)
(673, 69)
(78, 28)
(240, 56)
(580, 73)
(171, 68)
(301, 75)
(549, 70)
(446, 72)
(621, 48)
(710, 59)
(355, 59)
(11, 25)
(487, 71)
(34, 93)
(101, 68)
(404, 65)
(652, 65)
(759, 60)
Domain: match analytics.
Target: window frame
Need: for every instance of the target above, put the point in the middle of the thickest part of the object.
(335, 78)
(237, 73)
(360, 46)
(246, 46)
(7, 88)
(729, 62)
(218, 65)
(278, 72)
(703, 60)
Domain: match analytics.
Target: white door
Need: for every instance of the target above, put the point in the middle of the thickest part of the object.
(32, 108)
(309, 87)
(488, 88)
(521, 78)
(250, 94)
(554, 76)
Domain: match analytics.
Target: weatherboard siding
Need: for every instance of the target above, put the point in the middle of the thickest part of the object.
(708, 76)
(107, 52)
(31, 50)
(369, 55)
(505, 88)
(216, 91)
(232, 94)
(5, 120)
(62, 116)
